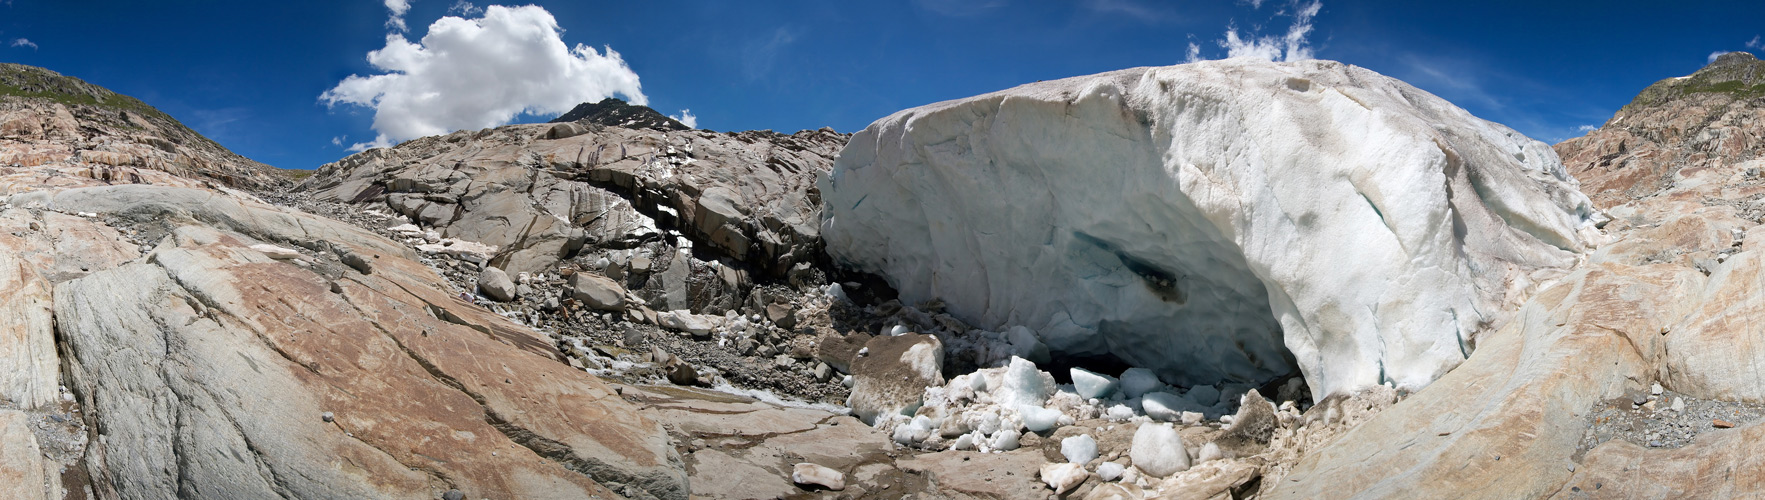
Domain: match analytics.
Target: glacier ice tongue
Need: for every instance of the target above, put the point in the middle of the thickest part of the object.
(1228, 220)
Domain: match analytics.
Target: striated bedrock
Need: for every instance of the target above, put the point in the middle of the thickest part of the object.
(230, 352)
(1225, 220)
(539, 193)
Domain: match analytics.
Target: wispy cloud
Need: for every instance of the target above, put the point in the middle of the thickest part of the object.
(21, 42)
(1755, 44)
(338, 140)
(759, 56)
(1294, 46)
(476, 73)
(686, 118)
(398, 8)
(464, 8)
(1587, 128)
(1132, 8)
(959, 8)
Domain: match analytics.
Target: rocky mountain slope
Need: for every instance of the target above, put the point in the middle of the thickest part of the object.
(613, 112)
(59, 119)
(1710, 119)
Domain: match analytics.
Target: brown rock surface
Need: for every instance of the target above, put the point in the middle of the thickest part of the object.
(114, 136)
(539, 195)
(220, 360)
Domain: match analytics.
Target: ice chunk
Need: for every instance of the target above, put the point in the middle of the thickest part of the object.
(1204, 395)
(1158, 450)
(1138, 381)
(1119, 413)
(1079, 449)
(1005, 440)
(1038, 419)
(1166, 407)
(1252, 205)
(1023, 385)
(914, 431)
(1063, 477)
(1208, 452)
(1092, 385)
(964, 442)
(1109, 471)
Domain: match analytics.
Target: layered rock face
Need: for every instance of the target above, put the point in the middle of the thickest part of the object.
(539, 193)
(214, 346)
(55, 119)
(1709, 119)
(1225, 220)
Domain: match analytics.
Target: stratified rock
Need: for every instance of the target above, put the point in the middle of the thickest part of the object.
(750, 195)
(1706, 120)
(597, 292)
(495, 283)
(890, 379)
(1288, 215)
(395, 357)
(115, 139)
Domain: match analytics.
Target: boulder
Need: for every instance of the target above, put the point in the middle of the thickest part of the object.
(686, 321)
(890, 379)
(495, 283)
(1292, 222)
(597, 292)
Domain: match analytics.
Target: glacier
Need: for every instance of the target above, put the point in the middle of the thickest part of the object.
(1226, 221)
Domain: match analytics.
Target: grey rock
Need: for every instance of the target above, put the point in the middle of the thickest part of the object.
(495, 283)
(597, 292)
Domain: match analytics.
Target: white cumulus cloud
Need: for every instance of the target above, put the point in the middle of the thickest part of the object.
(483, 72)
(21, 42)
(1294, 46)
(398, 8)
(686, 118)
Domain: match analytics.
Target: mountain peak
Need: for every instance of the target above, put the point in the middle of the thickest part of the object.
(614, 112)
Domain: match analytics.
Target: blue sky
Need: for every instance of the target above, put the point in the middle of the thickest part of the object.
(250, 74)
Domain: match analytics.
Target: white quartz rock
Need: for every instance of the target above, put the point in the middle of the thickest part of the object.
(1158, 451)
(1310, 215)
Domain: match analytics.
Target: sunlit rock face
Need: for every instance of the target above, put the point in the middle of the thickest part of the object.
(1225, 220)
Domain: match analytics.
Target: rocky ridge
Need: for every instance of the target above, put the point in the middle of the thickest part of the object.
(60, 120)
